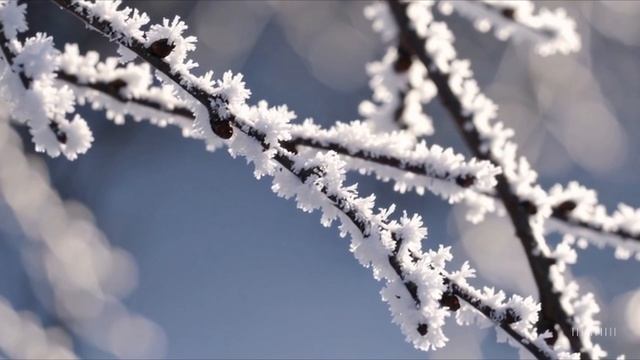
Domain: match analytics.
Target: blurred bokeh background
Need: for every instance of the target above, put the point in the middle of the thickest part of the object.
(227, 270)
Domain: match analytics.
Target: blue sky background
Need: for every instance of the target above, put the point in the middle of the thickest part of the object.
(228, 270)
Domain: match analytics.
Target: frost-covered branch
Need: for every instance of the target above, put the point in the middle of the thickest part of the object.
(550, 32)
(400, 89)
(523, 200)
(36, 101)
(418, 166)
(576, 211)
(121, 90)
(416, 283)
(128, 91)
(9, 58)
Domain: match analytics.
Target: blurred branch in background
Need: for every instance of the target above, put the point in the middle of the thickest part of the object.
(84, 277)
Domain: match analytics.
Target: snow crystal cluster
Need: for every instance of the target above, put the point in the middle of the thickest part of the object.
(126, 22)
(400, 85)
(581, 308)
(31, 91)
(399, 94)
(584, 217)
(551, 32)
(120, 90)
(411, 166)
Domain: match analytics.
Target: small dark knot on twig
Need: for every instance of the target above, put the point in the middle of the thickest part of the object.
(529, 207)
(161, 48)
(306, 173)
(509, 13)
(403, 62)
(289, 146)
(116, 85)
(564, 208)
(422, 329)
(222, 128)
(450, 301)
(465, 181)
(510, 317)
(61, 136)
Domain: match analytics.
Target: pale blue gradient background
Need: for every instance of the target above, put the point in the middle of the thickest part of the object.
(230, 271)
